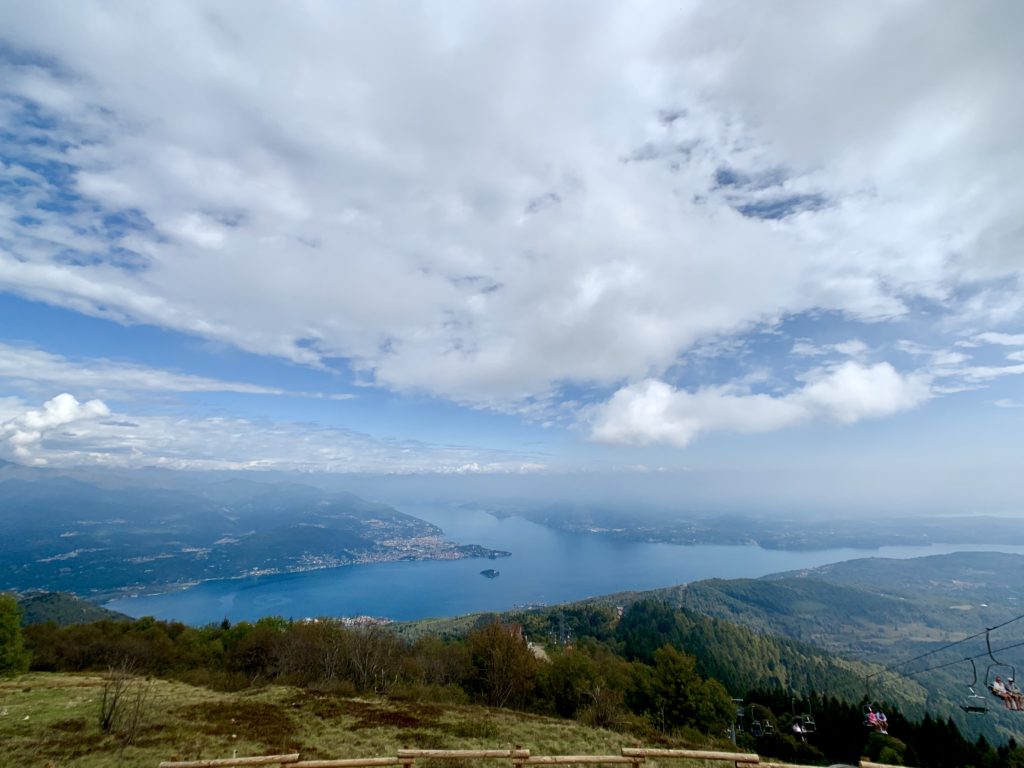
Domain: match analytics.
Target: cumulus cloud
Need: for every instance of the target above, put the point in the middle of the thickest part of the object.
(24, 433)
(851, 392)
(655, 412)
(486, 202)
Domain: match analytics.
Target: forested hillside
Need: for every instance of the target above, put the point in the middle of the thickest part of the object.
(740, 657)
(877, 608)
(884, 611)
(656, 673)
(63, 609)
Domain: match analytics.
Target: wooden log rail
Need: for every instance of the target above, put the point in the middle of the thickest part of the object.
(579, 760)
(739, 758)
(520, 758)
(355, 762)
(407, 756)
(226, 762)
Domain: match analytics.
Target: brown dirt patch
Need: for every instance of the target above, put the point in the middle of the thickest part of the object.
(324, 707)
(75, 725)
(382, 718)
(424, 710)
(268, 724)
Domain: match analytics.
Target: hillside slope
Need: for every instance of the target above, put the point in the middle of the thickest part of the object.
(832, 629)
(884, 611)
(53, 718)
(874, 608)
(64, 609)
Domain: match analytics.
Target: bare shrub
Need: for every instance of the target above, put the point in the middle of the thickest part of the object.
(124, 701)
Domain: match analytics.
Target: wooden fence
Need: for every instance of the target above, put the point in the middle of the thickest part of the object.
(519, 758)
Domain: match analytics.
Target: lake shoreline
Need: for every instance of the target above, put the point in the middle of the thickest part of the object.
(549, 568)
(467, 552)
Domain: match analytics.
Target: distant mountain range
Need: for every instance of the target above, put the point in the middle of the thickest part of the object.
(640, 523)
(66, 534)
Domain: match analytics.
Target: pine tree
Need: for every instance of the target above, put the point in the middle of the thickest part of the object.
(13, 656)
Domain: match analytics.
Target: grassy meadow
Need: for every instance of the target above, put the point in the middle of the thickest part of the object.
(52, 719)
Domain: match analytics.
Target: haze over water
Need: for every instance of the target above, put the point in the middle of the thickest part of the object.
(546, 566)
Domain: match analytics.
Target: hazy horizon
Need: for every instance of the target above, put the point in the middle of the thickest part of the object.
(657, 495)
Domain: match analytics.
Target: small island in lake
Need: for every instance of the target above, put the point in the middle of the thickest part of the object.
(490, 573)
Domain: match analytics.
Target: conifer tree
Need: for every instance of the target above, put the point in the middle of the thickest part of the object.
(13, 656)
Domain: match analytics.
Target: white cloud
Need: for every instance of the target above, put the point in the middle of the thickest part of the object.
(945, 358)
(982, 373)
(849, 348)
(36, 366)
(851, 392)
(486, 201)
(955, 372)
(65, 432)
(24, 432)
(1002, 339)
(1007, 403)
(39, 366)
(805, 348)
(653, 411)
(853, 348)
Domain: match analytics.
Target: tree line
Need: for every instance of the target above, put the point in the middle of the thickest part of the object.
(644, 673)
(492, 665)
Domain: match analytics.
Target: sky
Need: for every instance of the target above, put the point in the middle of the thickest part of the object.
(747, 241)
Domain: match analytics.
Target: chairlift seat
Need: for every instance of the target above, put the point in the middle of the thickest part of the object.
(809, 725)
(974, 704)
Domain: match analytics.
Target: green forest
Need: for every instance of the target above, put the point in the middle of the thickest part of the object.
(653, 673)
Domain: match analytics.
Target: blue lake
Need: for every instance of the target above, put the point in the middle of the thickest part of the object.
(546, 566)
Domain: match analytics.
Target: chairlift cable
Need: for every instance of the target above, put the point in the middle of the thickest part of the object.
(893, 667)
(968, 658)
